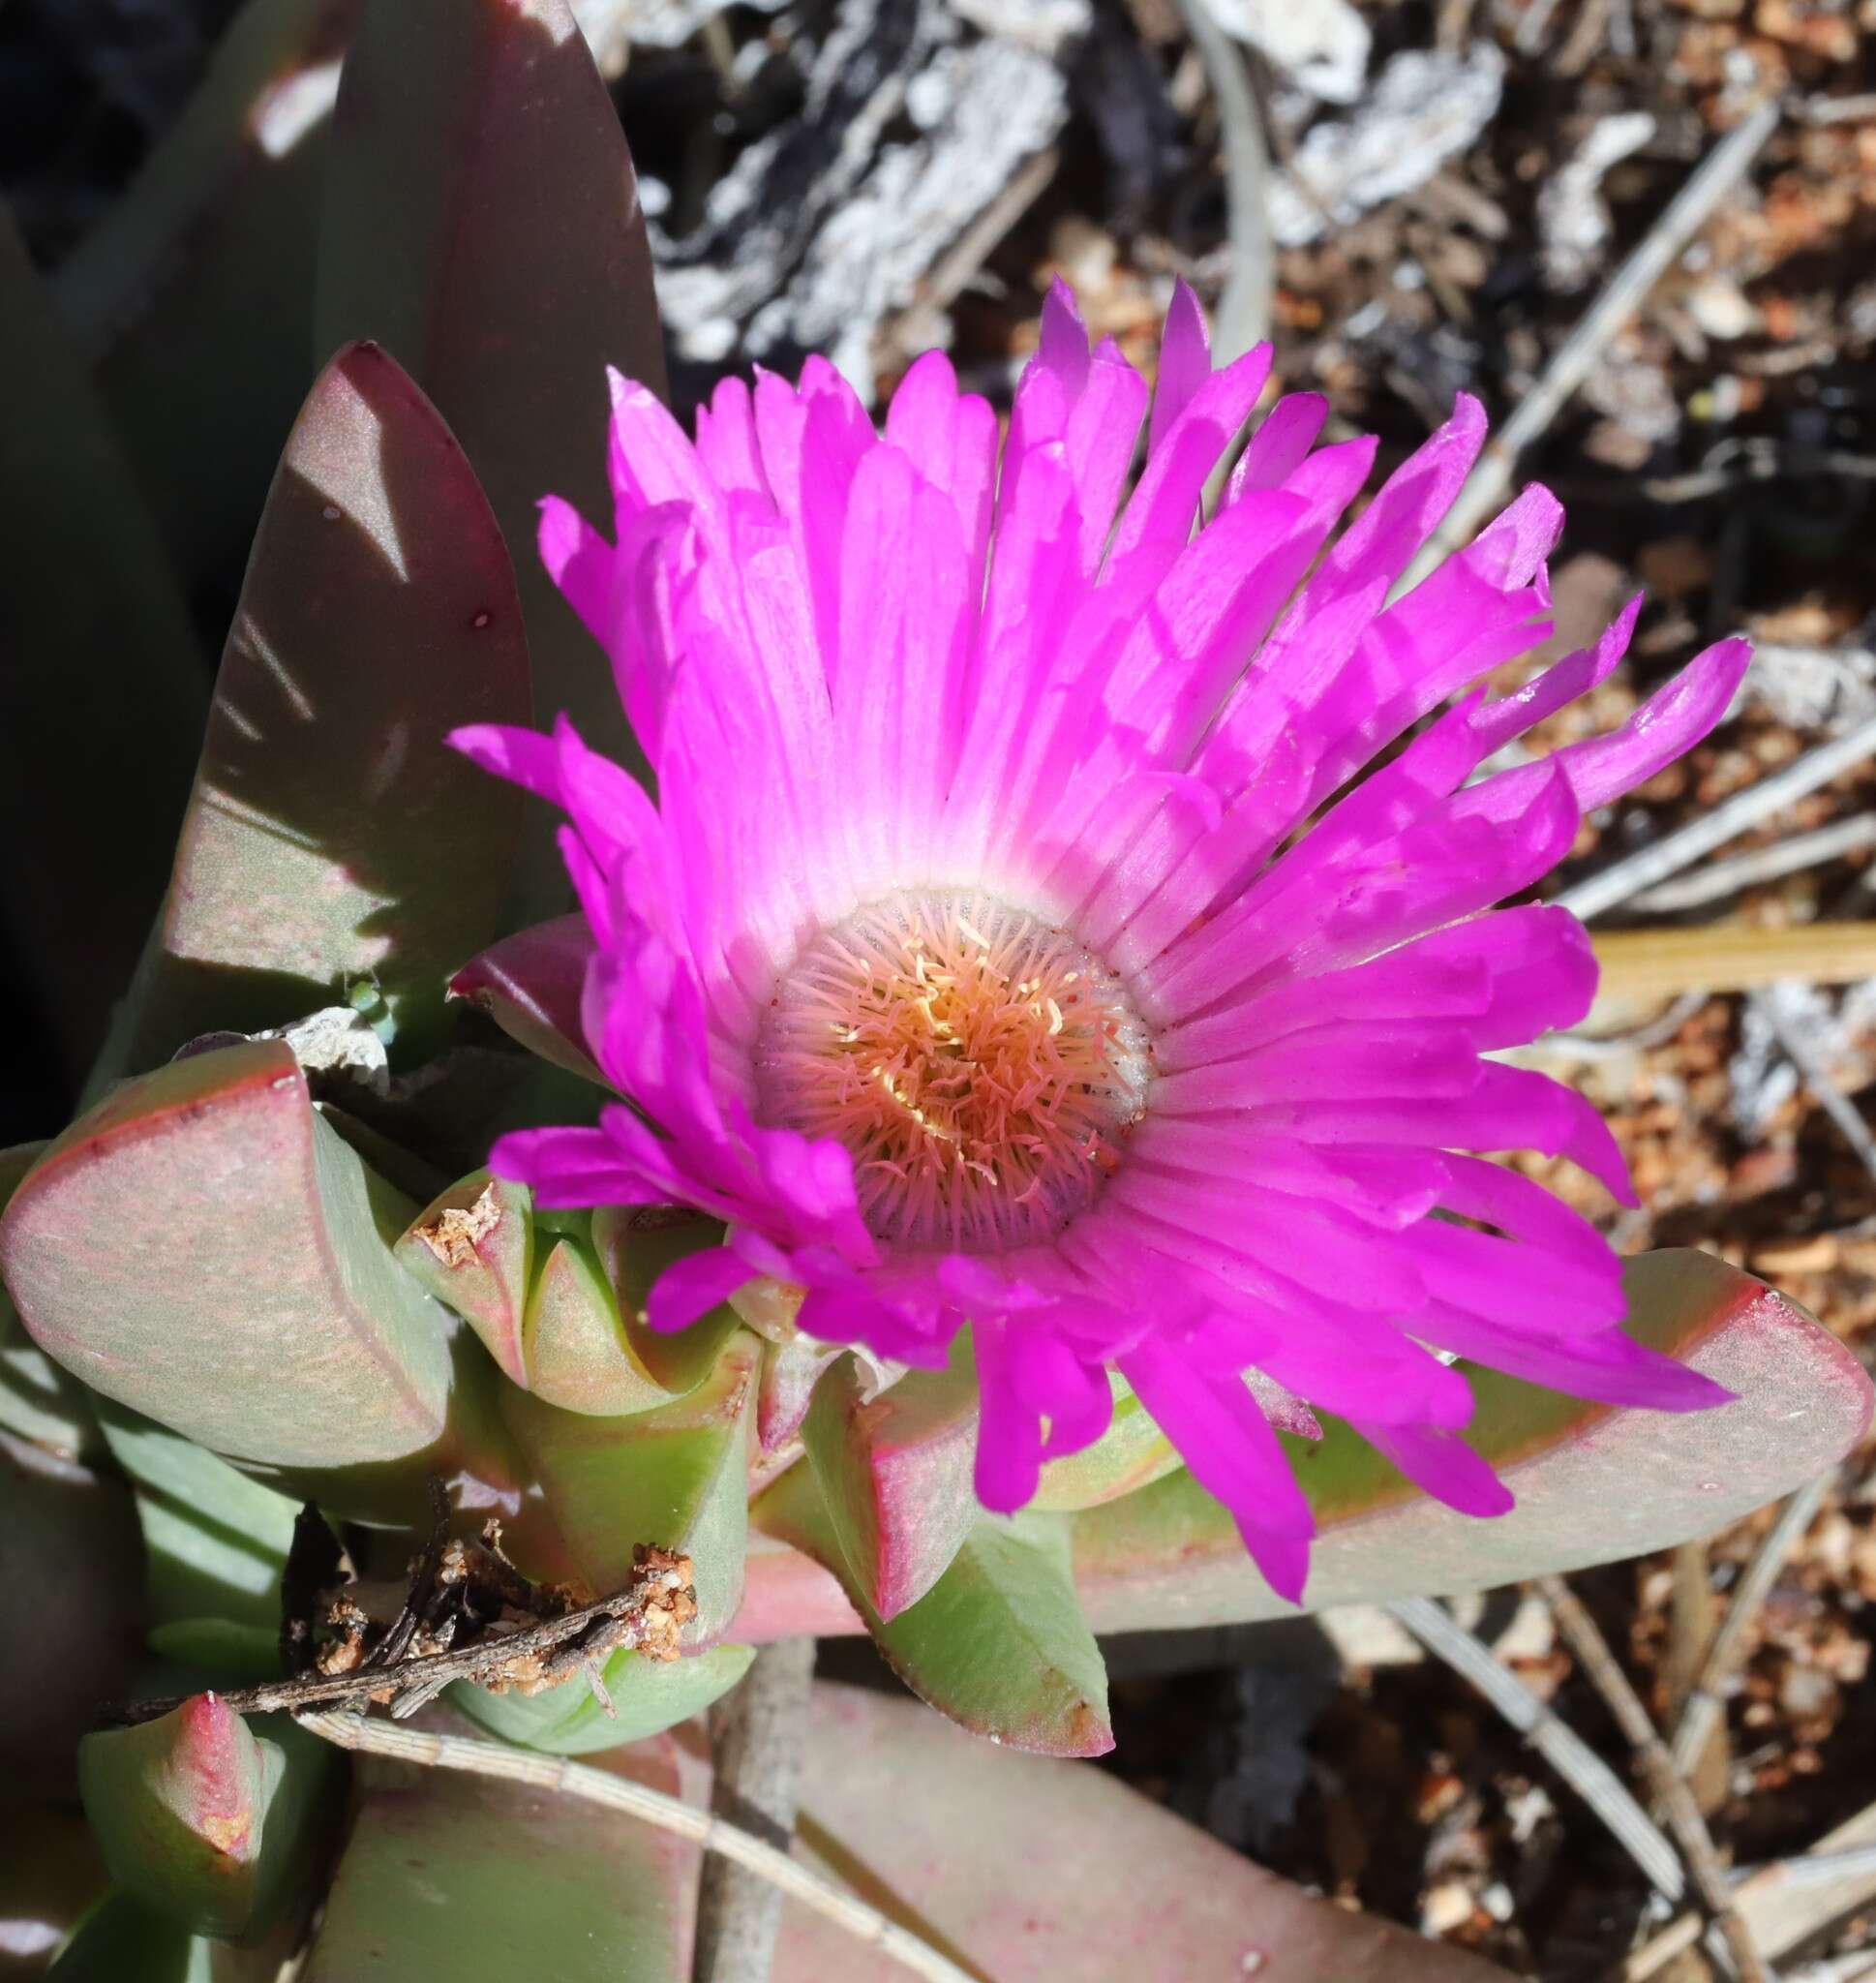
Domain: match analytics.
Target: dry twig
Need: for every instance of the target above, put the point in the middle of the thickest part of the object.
(1243, 317)
(1724, 1658)
(1666, 1785)
(1685, 215)
(1816, 1077)
(1553, 1739)
(647, 1615)
(1650, 864)
(758, 1744)
(1789, 856)
(1643, 965)
(570, 1779)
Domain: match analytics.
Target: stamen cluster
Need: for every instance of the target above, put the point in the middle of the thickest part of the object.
(980, 1067)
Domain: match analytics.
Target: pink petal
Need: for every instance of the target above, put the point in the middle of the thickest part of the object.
(1185, 364)
(690, 1288)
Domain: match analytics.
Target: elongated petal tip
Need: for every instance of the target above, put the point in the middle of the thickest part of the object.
(1283, 1560)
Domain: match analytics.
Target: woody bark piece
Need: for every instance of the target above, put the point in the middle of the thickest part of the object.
(759, 1740)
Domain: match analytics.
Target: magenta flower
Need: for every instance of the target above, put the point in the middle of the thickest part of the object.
(1009, 945)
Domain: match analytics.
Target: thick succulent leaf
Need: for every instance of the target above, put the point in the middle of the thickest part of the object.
(791, 1369)
(1593, 1484)
(472, 1246)
(580, 1355)
(483, 222)
(894, 1473)
(334, 841)
(203, 1817)
(648, 1696)
(69, 1633)
(677, 1478)
(202, 1247)
(178, 1807)
(529, 984)
(1033, 1872)
(558, 1299)
(513, 1882)
(218, 1652)
(1130, 1454)
(214, 1542)
(102, 694)
(122, 1938)
(635, 1246)
(193, 294)
(50, 1875)
(998, 1643)
(39, 1401)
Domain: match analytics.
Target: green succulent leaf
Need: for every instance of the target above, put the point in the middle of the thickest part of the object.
(894, 1473)
(102, 697)
(333, 840)
(676, 1478)
(123, 1937)
(635, 1246)
(648, 1696)
(1130, 1454)
(514, 1885)
(68, 1641)
(580, 1354)
(214, 1542)
(559, 1298)
(204, 1248)
(483, 222)
(182, 1809)
(193, 294)
(1031, 1870)
(50, 1877)
(1593, 1484)
(222, 1652)
(998, 1643)
(473, 1247)
(39, 1401)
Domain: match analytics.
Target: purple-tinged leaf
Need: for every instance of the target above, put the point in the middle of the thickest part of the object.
(483, 222)
(998, 1642)
(635, 1246)
(529, 985)
(178, 1805)
(895, 1472)
(473, 1248)
(192, 293)
(1042, 1872)
(71, 1637)
(676, 1478)
(1130, 1454)
(204, 1817)
(791, 1368)
(1593, 1484)
(333, 839)
(648, 1696)
(102, 689)
(205, 1249)
(514, 1882)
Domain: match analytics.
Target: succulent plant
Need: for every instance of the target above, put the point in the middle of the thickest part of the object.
(269, 1288)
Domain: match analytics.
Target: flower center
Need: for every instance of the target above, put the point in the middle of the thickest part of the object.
(980, 1067)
